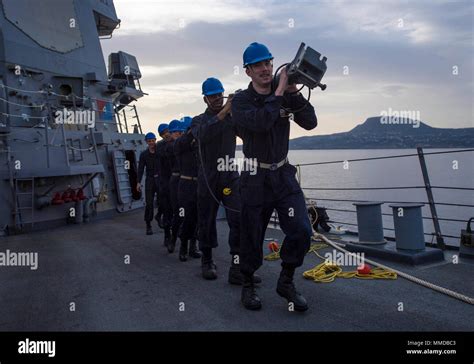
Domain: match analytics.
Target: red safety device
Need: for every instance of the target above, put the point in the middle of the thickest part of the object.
(365, 269)
(273, 246)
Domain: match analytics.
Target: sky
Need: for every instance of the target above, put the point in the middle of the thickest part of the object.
(381, 55)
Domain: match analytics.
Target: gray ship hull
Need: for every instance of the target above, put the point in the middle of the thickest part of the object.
(52, 170)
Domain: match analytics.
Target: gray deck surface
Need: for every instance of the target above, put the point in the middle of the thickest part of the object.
(85, 265)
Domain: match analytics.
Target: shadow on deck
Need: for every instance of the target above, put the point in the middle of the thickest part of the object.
(85, 265)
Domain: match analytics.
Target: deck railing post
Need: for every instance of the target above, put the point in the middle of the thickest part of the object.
(429, 193)
(138, 119)
(125, 120)
(119, 122)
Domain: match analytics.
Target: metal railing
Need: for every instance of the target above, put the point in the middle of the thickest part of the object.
(427, 186)
(123, 125)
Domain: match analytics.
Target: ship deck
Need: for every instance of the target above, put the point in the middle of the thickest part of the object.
(85, 265)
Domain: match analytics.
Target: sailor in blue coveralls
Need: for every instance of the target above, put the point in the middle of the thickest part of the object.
(175, 129)
(214, 132)
(185, 153)
(264, 127)
(148, 162)
(164, 133)
(164, 170)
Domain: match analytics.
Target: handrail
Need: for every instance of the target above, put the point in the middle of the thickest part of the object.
(275, 221)
(385, 228)
(385, 214)
(383, 157)
(427, 186)
(381, 188)
(423, 202)
(359, 188)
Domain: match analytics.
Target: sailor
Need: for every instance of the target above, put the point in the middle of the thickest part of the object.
(214, 132)
(149, 161)
(164, 198)
(175, 129)
(164, 133)
(185, 153)
(264, 126)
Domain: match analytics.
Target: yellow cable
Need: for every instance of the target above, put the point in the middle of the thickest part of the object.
(272, 256)
(326, 272)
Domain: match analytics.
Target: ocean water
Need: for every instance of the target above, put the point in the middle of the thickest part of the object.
(446, 170)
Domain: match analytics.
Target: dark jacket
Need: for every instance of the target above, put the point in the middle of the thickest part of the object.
(185, 153)
(265, 131)
(164, 168)
(217, 139)
(169, 157)
(150, 161)
(264, 126)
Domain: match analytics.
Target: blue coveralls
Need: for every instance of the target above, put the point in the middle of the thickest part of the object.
(149, 161)
(173, 187)
(185, 153)
(164, 170)
(217, 140)
(265, 129)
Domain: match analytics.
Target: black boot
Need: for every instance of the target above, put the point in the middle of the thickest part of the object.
(193, 249)
(249, 297)
(209, 269)
(286, 289)
(149, 231)
(172, 243)
(237, 278)
(183, 251)
(166, 242)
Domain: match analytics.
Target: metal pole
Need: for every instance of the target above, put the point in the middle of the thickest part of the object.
(429, 193)
(75, 109)
(94, 145)
(63, 131)
(12, 185)
(32, 202)
(119, 122)
(46, 132)
(138, 119)
(46, 136)
(125, 119)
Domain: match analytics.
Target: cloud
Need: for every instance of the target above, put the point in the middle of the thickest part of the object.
(154, 16)
(151, 70)
(393, 90)
(399, 54)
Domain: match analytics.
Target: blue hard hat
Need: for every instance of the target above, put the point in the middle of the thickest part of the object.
(255, 53)
(212, 86)
(150, 136)
(162, 127)
(187, 122)
(175, 125)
